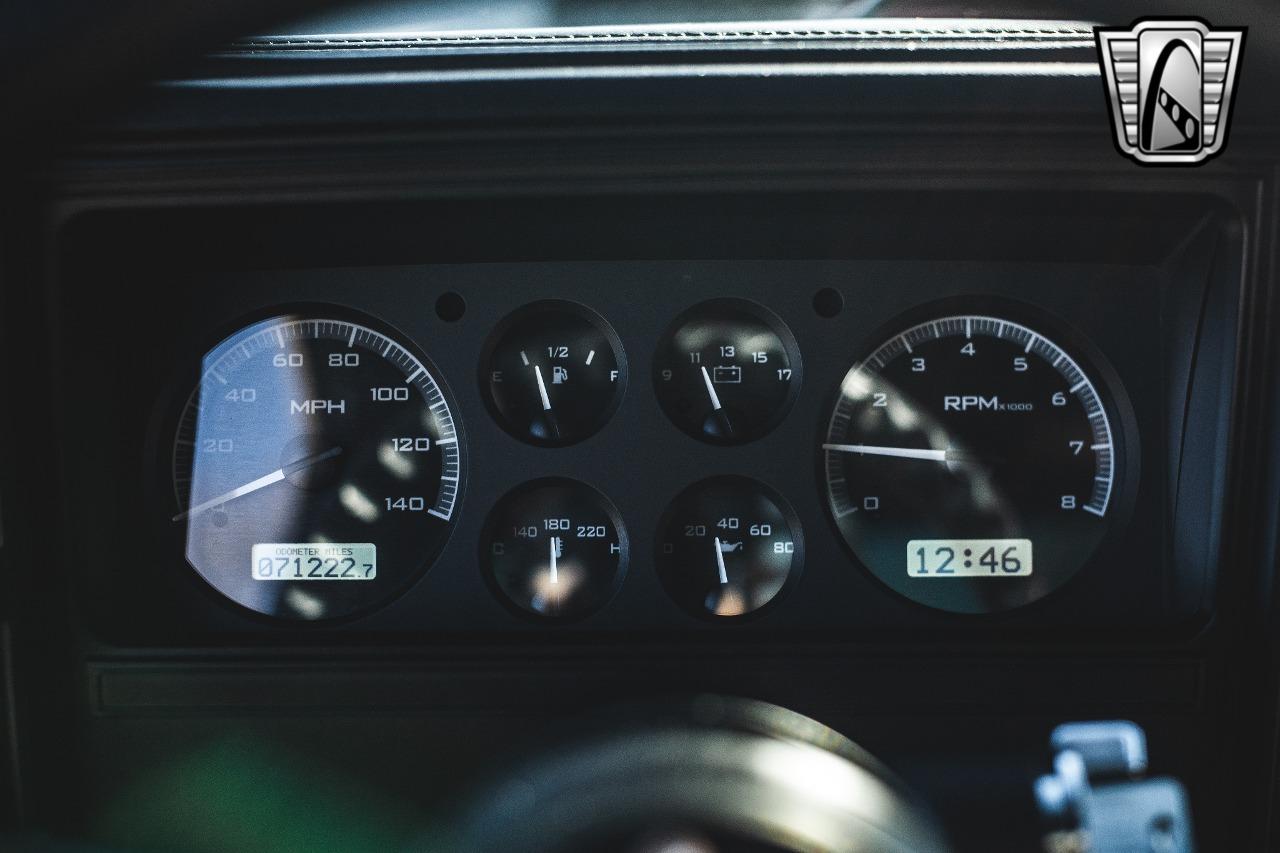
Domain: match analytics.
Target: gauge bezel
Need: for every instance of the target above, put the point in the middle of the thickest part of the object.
(775, 324)
(1094, 365)
(184, 383)
(523, 314)
(797, 537)
(485, 538)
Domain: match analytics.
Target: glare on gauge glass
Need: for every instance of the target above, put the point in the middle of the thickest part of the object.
(970, 464)
(316, 468)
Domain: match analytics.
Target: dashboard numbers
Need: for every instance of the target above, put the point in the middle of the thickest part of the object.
(313, 451)
(727, 547)
(555, 548)
(969, 558)
(553, 374)
(957, 448)
(727, 371)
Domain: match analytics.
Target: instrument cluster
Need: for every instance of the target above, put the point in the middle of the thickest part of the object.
(970, 453)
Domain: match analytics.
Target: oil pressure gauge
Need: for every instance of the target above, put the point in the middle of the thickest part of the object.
(727, 547)
(553, 373)
(727, 371)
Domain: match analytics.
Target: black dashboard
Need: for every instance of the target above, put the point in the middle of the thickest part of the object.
(388, 402)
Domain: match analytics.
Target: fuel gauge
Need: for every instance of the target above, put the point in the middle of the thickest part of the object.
(553, 373)
(727, 547)
(555, 548)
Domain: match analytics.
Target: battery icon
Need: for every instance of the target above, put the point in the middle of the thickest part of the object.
(727, 375)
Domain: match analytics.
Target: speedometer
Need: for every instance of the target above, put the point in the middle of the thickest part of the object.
(970, 464)
(317, 467)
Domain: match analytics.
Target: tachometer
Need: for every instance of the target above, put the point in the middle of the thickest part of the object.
(317, 467)
(970, 464)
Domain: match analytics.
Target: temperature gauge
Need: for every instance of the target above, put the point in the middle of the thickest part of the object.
(555, 548)
(727, 547)
(554, 373)
(727, 371)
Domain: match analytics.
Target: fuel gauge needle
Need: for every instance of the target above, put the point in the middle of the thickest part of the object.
(260, 483)
(542, 389)
(724, 575)
(545, 423)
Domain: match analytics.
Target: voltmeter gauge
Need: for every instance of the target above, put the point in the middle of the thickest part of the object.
(727, 547)
(555, 548)
(727, 371)
(553, 373)
(971, 463)
(317, 467)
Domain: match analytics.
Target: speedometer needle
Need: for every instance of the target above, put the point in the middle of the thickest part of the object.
(900, 452)
(260, 483)
(724, 575)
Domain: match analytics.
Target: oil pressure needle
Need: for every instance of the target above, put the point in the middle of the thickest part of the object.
(260, 483)
(724, 575)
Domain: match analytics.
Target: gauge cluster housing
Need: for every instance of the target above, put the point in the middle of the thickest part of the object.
(850, 269)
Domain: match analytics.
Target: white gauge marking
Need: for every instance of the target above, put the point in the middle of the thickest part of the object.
(857, 391)
(232, 360)
(524, 358)
(724, 575)
(542, 389)
(590, 356)
(711, 390)
(900, 452)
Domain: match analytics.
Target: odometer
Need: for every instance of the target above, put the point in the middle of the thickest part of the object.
(315, 450)
(970, 464)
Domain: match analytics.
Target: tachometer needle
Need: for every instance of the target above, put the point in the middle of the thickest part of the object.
(724, 575)
(900, 452)
(711, 390)
(542, 389)
(260, 483)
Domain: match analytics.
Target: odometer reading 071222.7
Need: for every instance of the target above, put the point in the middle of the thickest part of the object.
(970, 464)
(317, 468)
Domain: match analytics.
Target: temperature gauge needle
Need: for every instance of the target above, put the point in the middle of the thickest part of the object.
(724, 575)
(260, 483)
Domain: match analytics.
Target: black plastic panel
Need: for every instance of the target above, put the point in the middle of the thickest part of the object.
(1162, 325)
